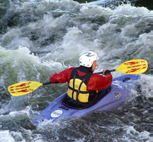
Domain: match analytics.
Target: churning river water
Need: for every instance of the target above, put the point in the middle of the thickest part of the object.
(41, 37)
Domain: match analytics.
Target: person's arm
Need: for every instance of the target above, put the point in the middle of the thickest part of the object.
(97, 81)
(61, 77)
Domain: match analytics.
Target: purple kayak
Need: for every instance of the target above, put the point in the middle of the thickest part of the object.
(115, 97)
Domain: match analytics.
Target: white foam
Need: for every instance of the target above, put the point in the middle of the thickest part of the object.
(16, 115)
(17, 136)
(22, 62)
(5, 136)
(94, 10)
(143, 136)
(147, 85)
(127, 9)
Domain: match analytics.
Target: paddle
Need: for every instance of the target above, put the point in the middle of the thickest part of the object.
(135, 66)
(23, 88)
(129, 67)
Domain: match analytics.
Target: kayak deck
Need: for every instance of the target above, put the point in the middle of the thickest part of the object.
(117, 95)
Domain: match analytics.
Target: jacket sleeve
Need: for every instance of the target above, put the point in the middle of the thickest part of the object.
(61, 77)
(97, 81)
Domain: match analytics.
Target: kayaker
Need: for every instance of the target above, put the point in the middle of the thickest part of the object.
(84, 85)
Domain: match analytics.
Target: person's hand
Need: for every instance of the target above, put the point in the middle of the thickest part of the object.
(105, 70)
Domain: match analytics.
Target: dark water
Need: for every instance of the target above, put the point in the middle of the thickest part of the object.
(41, 37)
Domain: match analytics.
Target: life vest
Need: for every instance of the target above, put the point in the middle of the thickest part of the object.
(77, 89)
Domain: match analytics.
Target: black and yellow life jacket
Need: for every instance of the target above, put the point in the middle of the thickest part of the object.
(77, 89)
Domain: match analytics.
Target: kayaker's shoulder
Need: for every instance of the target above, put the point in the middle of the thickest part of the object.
(69, 69)
(96, 74)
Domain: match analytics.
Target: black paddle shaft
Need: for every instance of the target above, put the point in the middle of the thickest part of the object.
(46, 83)
(102, 71)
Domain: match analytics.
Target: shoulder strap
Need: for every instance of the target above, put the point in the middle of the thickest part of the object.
(85, 78)
(73, 73)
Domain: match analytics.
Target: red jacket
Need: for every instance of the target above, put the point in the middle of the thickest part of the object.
(95, 82)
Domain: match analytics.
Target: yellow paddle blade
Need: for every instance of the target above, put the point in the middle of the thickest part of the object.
(135, 66)
(23, 88)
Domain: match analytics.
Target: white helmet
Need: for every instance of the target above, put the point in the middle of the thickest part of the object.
(87, 58)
